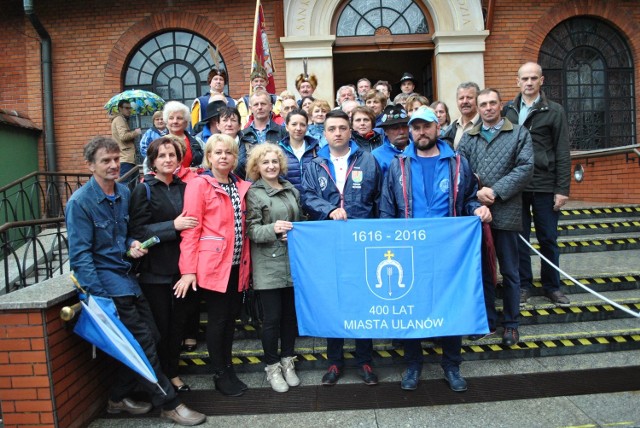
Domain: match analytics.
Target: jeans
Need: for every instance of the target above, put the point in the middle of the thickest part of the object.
(545, 220)
(451, 353)
(222, 311)
(135, 314)
(335, 354)
(506, 245)
(279, 323)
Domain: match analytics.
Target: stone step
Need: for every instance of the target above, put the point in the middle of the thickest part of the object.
(536, 340)
(596, 226)
(597, 243)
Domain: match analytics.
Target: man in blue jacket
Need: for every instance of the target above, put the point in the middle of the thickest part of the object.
(419, 184)
(342, 182)
(396, 136)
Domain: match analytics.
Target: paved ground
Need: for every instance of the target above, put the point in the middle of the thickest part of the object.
(598, 410)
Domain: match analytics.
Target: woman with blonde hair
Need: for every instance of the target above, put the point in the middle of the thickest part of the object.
(273, 204)
(214, 255)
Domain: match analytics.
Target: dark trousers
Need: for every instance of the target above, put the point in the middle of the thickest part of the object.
(506, 245)
(335, 352)
(545, 220)
(222, 311)
(135, 314)
(279, 323)
(451, 353)
(170, 315)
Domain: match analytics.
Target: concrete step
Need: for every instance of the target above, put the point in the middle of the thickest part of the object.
(536, 340)
(596, 243)
(590, 212)
(596, 226)
(476, 407)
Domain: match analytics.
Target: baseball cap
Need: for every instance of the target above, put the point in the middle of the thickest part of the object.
(424, 113)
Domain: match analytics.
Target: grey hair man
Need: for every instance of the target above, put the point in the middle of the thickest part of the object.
(548, 191)
(466, 94)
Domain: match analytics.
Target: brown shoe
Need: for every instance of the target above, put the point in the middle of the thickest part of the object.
(129, 406)
(182, 415)
(558, 298)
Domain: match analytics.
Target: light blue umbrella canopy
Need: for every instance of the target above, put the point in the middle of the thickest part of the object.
(99, 325)
(142, 102)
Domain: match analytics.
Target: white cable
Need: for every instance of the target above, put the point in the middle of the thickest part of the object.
(575, 281)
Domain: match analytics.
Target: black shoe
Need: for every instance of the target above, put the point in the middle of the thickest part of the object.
(182, 388)
(332, 375)
(234, 378)
(510, 336)
(225, 385)
(367, 374)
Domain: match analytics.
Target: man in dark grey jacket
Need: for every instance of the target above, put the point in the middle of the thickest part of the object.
(548, 191)
(501, 154)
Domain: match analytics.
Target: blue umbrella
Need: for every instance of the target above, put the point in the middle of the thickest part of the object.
(142, 102)
(99, 325)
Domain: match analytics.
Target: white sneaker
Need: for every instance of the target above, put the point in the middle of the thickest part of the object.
(289, 371)
(274, 376)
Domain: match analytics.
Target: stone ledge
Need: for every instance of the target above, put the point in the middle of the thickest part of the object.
(42, 295)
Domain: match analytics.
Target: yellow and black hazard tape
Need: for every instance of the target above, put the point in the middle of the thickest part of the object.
(601, 211)
(630, 340)
(598, 225)
(595, 244)
(574, 310)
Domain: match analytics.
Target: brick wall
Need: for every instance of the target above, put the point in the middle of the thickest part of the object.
(85, 48)
(610, 179)
(519, 30)
(47, 375)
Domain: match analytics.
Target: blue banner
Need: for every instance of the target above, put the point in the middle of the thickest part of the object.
(388, 278)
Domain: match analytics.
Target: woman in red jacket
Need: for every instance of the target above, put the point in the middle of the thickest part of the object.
(215, 254)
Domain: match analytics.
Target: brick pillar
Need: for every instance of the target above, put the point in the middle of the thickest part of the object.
(47, 375)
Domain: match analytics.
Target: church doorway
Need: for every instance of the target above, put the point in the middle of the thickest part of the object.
(349, 67)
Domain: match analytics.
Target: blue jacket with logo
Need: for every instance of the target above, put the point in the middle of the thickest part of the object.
(320, 195)
(386, 152)
(397, 191)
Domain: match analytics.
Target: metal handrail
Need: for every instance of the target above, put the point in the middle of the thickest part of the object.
(598, 153)
(23, 203)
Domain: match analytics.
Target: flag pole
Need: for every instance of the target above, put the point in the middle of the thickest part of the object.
(253, 45)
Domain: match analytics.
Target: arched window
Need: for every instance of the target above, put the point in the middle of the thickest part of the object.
(588, 68)
(367, 18)
(173, 65)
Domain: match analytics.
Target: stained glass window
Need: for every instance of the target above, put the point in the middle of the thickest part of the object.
(366, 17)
(588, 68)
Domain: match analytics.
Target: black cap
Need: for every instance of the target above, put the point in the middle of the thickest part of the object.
(407, 76)
(394, 114)
(212, 110)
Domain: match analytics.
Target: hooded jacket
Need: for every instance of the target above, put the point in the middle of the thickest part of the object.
(320, 195)
(207, 249)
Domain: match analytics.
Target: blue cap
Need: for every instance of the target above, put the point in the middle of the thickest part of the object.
(424, 113)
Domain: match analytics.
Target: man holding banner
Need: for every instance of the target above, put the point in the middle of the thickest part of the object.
(419, 184)
(342, 182)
